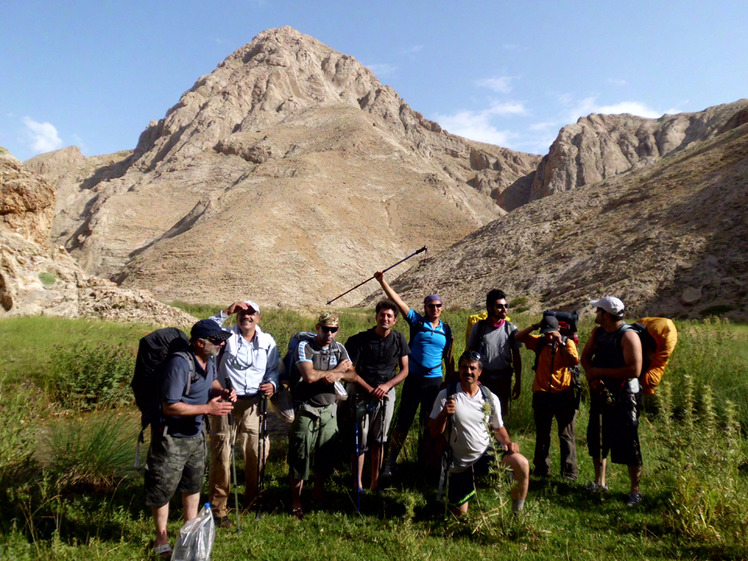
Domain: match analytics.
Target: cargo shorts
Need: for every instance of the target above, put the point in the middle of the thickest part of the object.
(174, 465)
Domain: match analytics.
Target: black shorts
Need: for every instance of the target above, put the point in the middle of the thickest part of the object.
(462, 484)
(620, 429)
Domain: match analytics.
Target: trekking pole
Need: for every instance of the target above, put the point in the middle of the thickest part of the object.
(424, 248)
(261, 451)
(232, 435)
(356, 488)
(382, 450)
(446, 461)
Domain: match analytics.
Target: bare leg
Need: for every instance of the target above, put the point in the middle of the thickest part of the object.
(376, 458)
(521, 470)
(599, 471)
(190, 504)
(635, 475)
(296, 486)
(160, 518)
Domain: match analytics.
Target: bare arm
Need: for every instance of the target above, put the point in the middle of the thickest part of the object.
(391, 294)
(524, 335)
(517, 363)
(438, 424)
(382, 390)
(503, 436)
(632, 357)
(310, 375)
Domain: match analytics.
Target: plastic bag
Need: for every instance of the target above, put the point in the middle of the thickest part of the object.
(195, 540)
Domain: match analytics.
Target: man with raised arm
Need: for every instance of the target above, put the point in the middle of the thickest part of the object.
(463, 412)
(176, 457)
(430, 344)
(250, 360)
(495, 339)
(380, 360)
(612, 361)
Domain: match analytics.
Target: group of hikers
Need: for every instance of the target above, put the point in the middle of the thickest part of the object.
(344, 398)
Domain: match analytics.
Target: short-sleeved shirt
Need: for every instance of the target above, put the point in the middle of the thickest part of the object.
(317, 394)
(428, 345)
(495, 344)
(376, 358)
(174, 385)
(470, 437)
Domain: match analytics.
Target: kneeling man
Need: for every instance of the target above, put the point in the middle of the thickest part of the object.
(470, 439)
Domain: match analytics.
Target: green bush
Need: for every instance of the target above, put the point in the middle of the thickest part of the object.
(89, 376)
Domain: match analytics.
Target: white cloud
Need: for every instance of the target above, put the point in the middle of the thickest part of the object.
(478, 125)
(502, 84)
(412, 50)
(589, 105)
(41, 136)
(617, 81)
(382, 70)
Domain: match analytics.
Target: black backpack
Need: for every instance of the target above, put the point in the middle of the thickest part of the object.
(154, 351)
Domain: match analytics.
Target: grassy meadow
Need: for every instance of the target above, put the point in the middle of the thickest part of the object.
(69, 490)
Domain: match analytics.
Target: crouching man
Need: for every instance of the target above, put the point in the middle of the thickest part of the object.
(176, 458)
(460, 411)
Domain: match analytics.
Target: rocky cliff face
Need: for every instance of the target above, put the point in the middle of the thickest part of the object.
(602, 146)
(36, 278)
(668, 238)
(286, 174)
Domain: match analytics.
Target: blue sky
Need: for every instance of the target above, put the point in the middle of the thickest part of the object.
(512, 73)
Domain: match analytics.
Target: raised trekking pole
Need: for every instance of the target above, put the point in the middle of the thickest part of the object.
(261, 451)
(424, 248)
(232, 434)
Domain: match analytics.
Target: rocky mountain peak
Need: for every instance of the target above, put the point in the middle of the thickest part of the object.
(280, 75)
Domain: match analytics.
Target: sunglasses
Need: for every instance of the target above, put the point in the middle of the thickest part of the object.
(501, 306)
(326, 329)
(433, 305)
(215, 340)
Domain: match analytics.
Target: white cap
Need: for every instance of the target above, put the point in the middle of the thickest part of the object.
(610, 304)
(252, 305)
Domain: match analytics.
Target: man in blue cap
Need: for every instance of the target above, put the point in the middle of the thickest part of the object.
(176, 457)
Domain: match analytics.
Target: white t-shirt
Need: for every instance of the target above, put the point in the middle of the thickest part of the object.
(470, 436)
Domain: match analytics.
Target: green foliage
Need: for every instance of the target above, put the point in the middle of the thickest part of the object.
(702, 452)
(90, 453)
(88, 376)
(47, 278)
(85, 506)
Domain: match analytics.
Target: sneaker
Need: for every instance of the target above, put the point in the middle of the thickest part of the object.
(596, 488)
(633, 499)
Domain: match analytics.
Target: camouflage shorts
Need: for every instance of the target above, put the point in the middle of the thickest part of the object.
(174, 465)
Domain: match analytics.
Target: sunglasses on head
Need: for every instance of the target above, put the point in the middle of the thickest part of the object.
(327, 329)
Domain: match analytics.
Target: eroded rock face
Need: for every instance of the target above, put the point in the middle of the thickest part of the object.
(286, 173)
(597, 147)
(26, 202)
(669, 239)
(37, 279)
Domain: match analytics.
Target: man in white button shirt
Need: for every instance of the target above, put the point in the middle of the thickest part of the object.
(250, 361)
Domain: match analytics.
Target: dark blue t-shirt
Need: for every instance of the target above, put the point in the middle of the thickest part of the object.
(174, 385)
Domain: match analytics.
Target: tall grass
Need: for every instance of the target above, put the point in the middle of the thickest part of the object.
(61, 497)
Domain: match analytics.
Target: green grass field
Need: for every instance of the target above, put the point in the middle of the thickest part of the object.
(70, 491)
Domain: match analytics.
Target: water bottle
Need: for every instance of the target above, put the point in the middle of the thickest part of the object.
(195, 540)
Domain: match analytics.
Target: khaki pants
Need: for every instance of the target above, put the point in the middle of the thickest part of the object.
(247, 428)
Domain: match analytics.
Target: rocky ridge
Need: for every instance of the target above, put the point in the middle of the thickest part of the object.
(669, 239)
(39, 279)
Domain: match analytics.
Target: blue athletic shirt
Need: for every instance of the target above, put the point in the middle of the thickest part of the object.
(427, 345)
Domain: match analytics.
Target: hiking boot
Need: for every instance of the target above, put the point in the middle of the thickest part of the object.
(596, 488)
(633, 499)
(222, 521)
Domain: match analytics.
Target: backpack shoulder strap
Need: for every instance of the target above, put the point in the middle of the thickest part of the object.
(191, 361)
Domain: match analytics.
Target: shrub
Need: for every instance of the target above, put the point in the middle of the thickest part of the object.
(90, 376)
